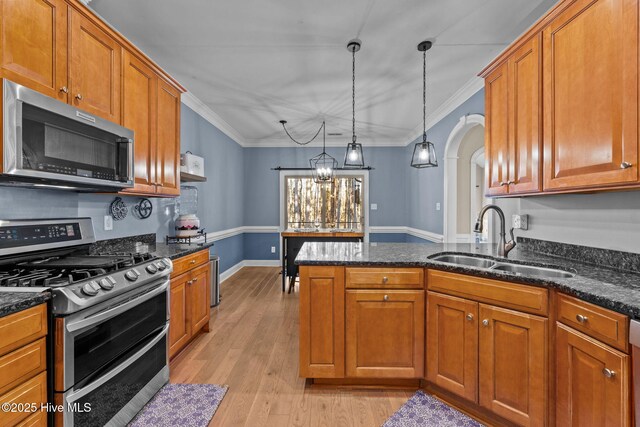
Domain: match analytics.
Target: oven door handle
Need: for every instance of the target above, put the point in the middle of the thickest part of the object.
(72, 397)
(114, 311)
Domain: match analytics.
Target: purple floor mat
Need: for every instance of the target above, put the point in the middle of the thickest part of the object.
(425, 410)
(184, 405)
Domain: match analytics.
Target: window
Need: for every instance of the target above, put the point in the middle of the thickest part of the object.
(332, 205)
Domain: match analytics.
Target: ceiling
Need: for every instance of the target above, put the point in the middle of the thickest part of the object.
(255, 62)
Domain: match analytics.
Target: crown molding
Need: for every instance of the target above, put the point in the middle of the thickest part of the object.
(469, 89)
(202, 109)
(277, 143)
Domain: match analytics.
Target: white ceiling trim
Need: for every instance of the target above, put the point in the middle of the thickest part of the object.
(457, 99)
(191, 101)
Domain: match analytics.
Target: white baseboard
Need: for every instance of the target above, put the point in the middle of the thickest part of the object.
(248, 263)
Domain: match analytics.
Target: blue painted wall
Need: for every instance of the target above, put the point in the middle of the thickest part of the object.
(258, 246)
(230, 251)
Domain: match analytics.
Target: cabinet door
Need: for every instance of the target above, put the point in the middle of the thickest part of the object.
(168, 146)
(321, 322)
(139, 96)
(179, 331)
(592, 381)
(385, 334)
(497, 131)
(452, 344)
(95, 69)
(591, 95)
(513, 365)
(525, 114)
(199, 297)
(34, 45)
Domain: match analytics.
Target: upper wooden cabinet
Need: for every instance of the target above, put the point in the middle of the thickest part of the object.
(94, 69)
(571, 105)
(61, 49)
(34, 45)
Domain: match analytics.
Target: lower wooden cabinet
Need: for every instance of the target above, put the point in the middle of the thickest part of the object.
(189, 306)
(592, 381)
(385, 334)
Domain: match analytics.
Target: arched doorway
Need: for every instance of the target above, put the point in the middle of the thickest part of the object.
(465, 143)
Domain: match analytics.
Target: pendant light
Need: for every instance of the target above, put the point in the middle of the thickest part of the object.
(424, 153)
(354, 157)
(323, 166)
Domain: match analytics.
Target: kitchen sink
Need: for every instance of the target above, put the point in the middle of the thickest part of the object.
(527, 270)
(465, 260)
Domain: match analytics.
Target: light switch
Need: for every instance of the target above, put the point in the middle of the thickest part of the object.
(108, 223)
(438, 206)
(273, 249)
(374, 206)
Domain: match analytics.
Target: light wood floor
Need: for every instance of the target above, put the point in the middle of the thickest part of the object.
(253, 348)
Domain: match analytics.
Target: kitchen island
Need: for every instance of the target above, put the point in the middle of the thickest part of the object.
(492, 336)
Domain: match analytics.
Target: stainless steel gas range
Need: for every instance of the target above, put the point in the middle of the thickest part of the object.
(109, 318)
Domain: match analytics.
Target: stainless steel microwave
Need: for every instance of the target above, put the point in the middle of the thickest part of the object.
(49, 143)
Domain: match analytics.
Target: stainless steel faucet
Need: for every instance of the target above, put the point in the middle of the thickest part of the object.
(503, 246)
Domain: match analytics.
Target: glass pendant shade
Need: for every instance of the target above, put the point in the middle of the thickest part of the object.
(424, 155)
(354, 157)
(323, 167)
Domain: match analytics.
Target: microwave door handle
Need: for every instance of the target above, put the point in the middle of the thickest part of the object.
(114, 311)
(130, 160)
(124, 365)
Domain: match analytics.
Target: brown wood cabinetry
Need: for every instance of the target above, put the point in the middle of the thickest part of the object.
(168, 144)
(592, 382)
(34, 45)
(190, 301)
(497, 131)
(384, 334)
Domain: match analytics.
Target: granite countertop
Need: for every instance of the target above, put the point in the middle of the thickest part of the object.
(147, 243)
(174, 251)
(13, 302)
(618, 290)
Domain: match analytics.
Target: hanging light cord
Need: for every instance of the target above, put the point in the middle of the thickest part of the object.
(353, 96)
(424, 96)
(283, 122)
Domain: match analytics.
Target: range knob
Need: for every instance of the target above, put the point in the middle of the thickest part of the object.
(160, 265)
(131, 275)
(106, 284)
(89, 290)
(151, 268)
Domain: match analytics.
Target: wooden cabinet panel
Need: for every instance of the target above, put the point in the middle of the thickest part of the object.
(513, 365)
(94, 68)
(31, 392)
(497, 131)
(168, 144)
(21, 328)
(139, 97)
(452, 344)
(586, 393)
(21, 364)
(34, 45)
(188, 262)
(385, 334)
(322, 328)
(591, 95)
(179, 330)
(387, 278)
(199, 297)
(525, 137)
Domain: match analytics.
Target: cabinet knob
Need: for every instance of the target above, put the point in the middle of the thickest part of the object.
(581, 319)
(608, 373)
(625, 165)
(386, 297)
(503, 183)
(190, 282)
(193, 261)
(79, 97)
(511, 182)
(469, 317)
(64, 89)
(385, 279)
(485, 322)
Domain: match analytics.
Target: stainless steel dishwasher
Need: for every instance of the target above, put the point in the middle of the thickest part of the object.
(634, 340)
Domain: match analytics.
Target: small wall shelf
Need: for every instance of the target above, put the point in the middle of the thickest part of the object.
(187, 177)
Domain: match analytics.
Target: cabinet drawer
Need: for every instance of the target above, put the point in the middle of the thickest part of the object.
(31, 392)
(504, 294)
(36, 420)
(21, 328)
(21, 364)
(374, 278)
(607, 326)
(187, 262)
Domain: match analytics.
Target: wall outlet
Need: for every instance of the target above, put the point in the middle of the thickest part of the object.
(520, 222)
(374, 206)
(438, 206)
(273, 249)
(108, 223)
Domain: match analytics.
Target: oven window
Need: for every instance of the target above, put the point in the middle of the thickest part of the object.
(107, 341)
(112, 396)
